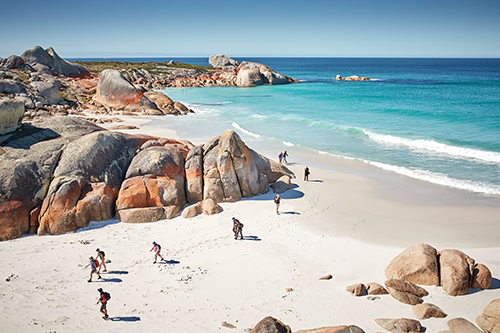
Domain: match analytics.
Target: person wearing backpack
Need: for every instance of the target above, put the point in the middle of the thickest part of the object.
(237, 228)
(93, 268)
(100, 255)
(104, 297)
(157, 249)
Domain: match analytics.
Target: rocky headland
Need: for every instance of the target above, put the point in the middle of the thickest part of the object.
(43, 84)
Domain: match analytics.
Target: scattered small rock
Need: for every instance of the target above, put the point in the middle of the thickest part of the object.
(405, 292)
(357, 289)
(372, 298)
(427, 310)
(374, 288)
(228, 325)
(326, 277)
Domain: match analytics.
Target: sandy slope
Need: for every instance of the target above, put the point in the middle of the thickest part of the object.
(338, 223)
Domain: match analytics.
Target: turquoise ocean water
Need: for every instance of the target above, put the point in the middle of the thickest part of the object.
(437, 120)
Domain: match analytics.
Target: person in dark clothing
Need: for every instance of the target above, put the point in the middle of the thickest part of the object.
(306, 173)
(237, 228)
(103, 299)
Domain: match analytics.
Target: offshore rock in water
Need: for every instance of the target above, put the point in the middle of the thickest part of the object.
(352, 78)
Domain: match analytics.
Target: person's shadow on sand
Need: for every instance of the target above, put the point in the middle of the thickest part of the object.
(252, 238)
(110, 280)
(314, 181)
(170, 262)
(290, 213)
(131, 319)
(117, 272)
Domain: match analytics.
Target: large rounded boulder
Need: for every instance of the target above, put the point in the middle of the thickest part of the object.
(114, 91)
(417, 264)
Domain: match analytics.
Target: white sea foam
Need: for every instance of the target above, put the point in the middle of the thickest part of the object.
(235, 125)
(431, 145)
(440, 179)
(258, 116)
(289, 144)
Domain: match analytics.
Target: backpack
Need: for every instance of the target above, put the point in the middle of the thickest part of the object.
(96, 263)
(102, 253)
(107, 296)
(159, 247)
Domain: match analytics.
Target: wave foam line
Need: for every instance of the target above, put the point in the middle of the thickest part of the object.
(440, 179)
(235, 125)
(487, 156)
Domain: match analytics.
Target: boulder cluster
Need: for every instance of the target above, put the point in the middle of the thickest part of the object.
(424, 265)
(455, 271)
(60, 173)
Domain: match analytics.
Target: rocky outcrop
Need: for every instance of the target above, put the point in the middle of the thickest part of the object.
(229, 170)
(87, 180)
(271, 169)
(489, 320)
(194, 174)
(11, 116)
(117, 93)
(250, 74)
(220, 61)
(405, 292)
(402, 325)
(51, 59)
(270, 325)
(427, 310)
(59, 174)
(155, 178)
(451, 269)
(27, 163)
(417, 264)
(11, 62)
(352, 78)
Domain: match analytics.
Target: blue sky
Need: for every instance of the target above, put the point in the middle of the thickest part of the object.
(347, 28)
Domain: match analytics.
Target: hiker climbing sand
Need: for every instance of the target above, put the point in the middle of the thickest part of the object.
(100, 256)
(104, 297)
(157, 249)
(93, 263)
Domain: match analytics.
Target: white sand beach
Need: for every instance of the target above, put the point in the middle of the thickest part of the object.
(342, 223)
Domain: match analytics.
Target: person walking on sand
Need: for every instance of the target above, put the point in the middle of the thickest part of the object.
(100, 255)
(280, 157)
(103, 299)
(285, 155)
(157, 249)
(237, 228)
(277, 201)
(306, 174)
(93, 268)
